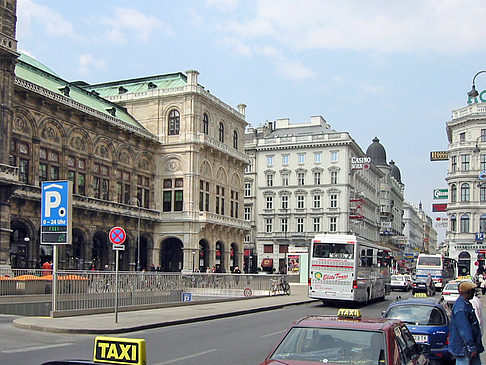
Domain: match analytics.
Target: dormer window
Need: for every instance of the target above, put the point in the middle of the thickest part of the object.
(65, 90)
(112, 111)
(95, 93)
(151, 85)
(122, 90)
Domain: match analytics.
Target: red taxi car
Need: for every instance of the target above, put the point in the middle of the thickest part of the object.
(347, 338)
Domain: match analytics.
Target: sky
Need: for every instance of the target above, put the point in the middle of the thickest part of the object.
(387, 68)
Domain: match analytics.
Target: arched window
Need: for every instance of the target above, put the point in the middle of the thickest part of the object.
(453, 193)
(205, 126)
(464, 223)
(453, 223)
(482, 192)
(235, 140)
(465, 192)
(174, 122)
(221, 132)
(482, 223)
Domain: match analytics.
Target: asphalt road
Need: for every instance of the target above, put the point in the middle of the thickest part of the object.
(236, 340)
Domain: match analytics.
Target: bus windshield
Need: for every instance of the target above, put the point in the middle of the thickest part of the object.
(429, 261)
(333, 250)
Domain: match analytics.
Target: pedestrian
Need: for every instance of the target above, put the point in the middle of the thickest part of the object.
(465, 334)
(45, 268)
(483, 287)
(152, 267)
(159, 269)
(237, 270)
(476, 303)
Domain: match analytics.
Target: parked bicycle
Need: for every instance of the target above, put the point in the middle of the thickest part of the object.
(279, 287)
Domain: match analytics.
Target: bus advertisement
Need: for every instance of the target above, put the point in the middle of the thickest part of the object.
(347, 267)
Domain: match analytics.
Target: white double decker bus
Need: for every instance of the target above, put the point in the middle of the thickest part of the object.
(347, 267)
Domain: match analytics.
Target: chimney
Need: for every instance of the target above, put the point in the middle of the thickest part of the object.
(242, 108)
(192, 77)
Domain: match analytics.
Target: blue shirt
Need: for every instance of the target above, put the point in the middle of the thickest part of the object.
(465, 333)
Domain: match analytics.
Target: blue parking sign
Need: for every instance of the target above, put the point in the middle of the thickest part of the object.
(56, 208)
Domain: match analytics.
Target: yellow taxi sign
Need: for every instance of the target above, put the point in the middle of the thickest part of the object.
(420, 295)
(349, 313)
(116, 350)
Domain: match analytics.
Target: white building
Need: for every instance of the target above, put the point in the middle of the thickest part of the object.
(466, 179)
(305, 179)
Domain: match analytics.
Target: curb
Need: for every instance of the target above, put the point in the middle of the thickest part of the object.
(17, 322)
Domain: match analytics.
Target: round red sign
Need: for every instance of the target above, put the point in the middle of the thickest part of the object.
(117, 235)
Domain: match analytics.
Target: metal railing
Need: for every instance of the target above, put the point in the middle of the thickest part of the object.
(94, 291)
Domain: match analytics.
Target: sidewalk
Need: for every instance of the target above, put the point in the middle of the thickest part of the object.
(153, 318)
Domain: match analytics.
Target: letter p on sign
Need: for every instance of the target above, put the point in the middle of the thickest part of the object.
(53, 200)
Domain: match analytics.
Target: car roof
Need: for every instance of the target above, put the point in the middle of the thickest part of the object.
(415, 301)
(332, 321)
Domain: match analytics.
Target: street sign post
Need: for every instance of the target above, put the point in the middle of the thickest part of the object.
(56, 222)
(117, 236)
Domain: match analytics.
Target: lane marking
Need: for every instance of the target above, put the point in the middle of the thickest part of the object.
(273, 333)
(36, 348)
(186, 357)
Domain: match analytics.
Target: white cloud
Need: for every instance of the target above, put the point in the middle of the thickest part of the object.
(293, 69)
(224, 5)
(128, 23)
(52, 22)
(88, 63)
(441, 26)
(368, 88)
(237, 45)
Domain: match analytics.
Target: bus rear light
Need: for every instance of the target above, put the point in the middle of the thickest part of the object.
(440, 280)
(355, 284)
(309, 282)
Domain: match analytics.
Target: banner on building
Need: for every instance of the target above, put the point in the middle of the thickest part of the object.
(439, 207)
(441, 193)
(439, 156)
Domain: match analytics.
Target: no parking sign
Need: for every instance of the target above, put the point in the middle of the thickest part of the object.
(117, 236)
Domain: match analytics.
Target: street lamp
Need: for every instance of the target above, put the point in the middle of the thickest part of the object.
(476, 148)
(138, 231)
(473, 93)
(193, 258)
(286, 244)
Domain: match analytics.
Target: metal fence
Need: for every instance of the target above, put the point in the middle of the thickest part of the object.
(94, 291)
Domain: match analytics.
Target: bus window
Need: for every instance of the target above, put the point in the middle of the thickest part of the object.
(333, 250)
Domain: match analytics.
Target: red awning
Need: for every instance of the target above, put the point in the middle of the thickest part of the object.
(267, 263)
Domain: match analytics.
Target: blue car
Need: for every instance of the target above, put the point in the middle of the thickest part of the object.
(427, 320)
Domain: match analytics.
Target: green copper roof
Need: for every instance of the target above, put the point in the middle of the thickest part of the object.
(139, 85)
(33, 71)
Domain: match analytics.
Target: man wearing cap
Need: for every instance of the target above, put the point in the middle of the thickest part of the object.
(465, 333)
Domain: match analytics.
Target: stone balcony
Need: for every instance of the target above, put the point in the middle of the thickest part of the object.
(9, 174)
(470, 110)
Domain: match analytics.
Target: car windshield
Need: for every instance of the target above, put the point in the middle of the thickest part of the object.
(422, 315)
(398, 278)
(452, 286)
(421, 280)
(327, 345)
(333, 250)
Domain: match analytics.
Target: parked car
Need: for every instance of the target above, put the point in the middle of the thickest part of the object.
(347, 338)
(423, 285)
(400, 282)
(427, 320)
